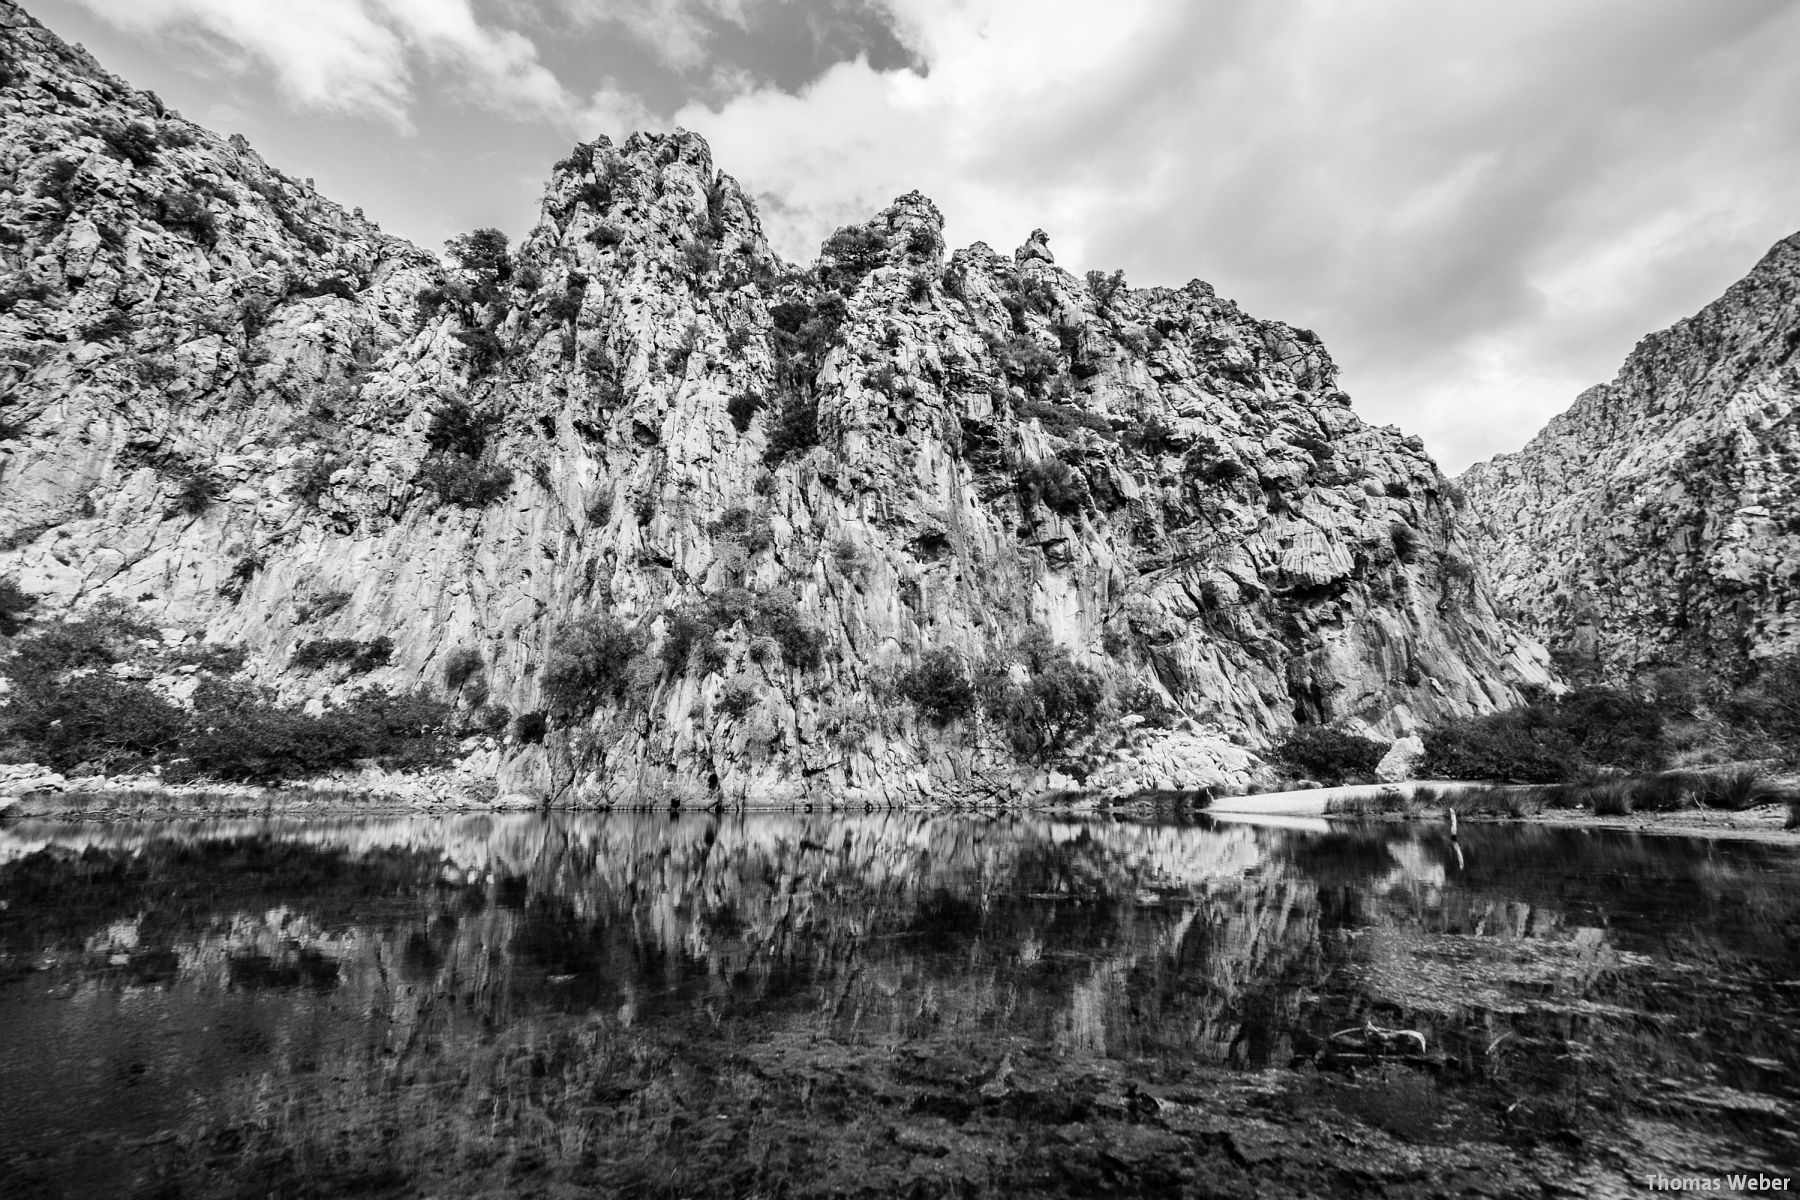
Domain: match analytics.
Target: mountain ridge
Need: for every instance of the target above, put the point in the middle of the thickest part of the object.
(1656, 522)
(707, 515)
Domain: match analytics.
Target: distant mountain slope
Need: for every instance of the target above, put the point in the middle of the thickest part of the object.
(769, 492)
(1657, 521)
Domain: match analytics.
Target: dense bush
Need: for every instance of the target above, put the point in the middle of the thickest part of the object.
(742, 409)
(530, 728)
(362, 657)
(15, 604)
(1770, 702)
(1549, 740)
(772, 617)
(853, 251)
(484, 252)
(187, 211)
(588, 664)
(1058, 704)
(938, 687)
(1331, 756)
(68, 711)
(461, 665)
(1053, 483)
(1502, 746)
(132, 141)
(457, 479)
(795, 430)
(1105, 288)
(1025, 362)
(237, 732)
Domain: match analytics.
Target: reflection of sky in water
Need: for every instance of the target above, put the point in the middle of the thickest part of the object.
(162, 974)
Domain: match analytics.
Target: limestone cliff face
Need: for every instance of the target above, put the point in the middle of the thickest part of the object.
(240, 408)
(1657, 521)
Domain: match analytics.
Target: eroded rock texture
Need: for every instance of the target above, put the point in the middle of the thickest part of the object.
(231, 403)
(1657, 521)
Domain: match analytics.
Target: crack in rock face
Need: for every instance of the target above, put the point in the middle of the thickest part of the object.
(704, 516)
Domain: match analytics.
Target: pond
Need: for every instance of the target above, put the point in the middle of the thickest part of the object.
(893, 1004)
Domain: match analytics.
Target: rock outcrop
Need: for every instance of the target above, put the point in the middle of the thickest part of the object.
(1656, 523)
(768, 491)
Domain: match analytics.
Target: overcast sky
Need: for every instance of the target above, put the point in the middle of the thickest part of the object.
(1479, 206)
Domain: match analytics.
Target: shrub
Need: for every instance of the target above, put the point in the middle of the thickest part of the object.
(321, 605)
(484, 251)
(1771, 700)
(1610, 727)
(482, 349)
(194, 492)
(187, 211)
(238, 733)
(460, 665)
(116, 323)
(1064, 419)
(98, 638)
(457, 479)
(1053, 483)
(1058, 705)
(796, 429)
(742, 408)
(749, 527)
(738, 698)
(849, 556)
(1734, 792)
(1509, 746)
(684, 349)
(362, 657)
(60, 182)
(588, 664)
(854, 251)
(529, 728)
(599, 509)
(132, 141)
(1331, 756)
(14, 606)
(1025, 362)
(1405, 541)
(699, 257)
(938, 687)
(91, 719)
(1105, 288)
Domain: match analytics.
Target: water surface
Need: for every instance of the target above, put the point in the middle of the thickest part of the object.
(529, 1005)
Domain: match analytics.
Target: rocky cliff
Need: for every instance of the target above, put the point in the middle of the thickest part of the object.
(1657, 521)
(747, 499)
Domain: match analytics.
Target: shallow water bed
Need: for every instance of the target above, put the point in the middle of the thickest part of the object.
(796, 1006)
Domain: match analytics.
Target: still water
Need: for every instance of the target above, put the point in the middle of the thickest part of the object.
(574, 1005)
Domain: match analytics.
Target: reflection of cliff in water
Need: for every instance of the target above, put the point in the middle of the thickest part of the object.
(889, 918)
(422, 971)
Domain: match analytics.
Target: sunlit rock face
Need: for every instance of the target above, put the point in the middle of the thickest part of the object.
(224, 404)
(1657, 521)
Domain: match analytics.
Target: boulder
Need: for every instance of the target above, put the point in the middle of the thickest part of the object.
(1401, 760)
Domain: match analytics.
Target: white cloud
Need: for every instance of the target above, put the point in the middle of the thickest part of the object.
(1480, 208)
(357, 56)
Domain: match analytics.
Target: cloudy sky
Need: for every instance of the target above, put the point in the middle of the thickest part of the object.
(1479, 206)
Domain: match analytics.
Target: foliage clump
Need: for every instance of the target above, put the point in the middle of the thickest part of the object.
(939, 687)
(1550, 740)
(360, 656)
(772, 618)
(1330, 756)
(589, 664)
(1058, 703)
